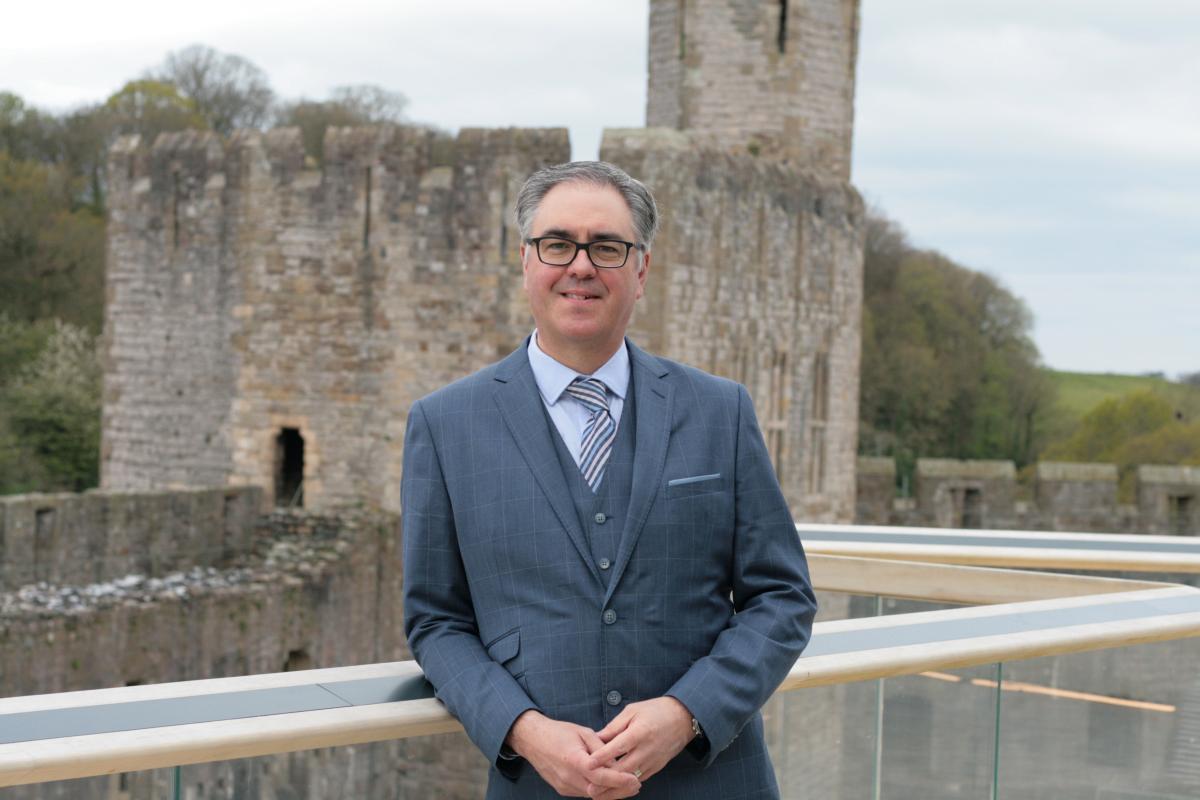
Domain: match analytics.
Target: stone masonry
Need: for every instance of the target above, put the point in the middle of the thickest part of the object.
(764, 77)
(1063, 497)
(270, 324)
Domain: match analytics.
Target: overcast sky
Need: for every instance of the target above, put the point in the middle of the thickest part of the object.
(1052, 143)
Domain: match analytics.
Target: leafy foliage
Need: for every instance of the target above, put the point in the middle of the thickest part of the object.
(51, 249)
(227, 91)
(50, 409)
(948, 366)
(1142, 427)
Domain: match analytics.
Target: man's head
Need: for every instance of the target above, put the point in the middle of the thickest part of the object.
(598, 173)
(582, 309)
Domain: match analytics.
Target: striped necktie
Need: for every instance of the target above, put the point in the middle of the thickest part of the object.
(598, 433)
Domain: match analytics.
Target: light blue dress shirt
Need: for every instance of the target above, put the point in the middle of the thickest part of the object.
(569, 415)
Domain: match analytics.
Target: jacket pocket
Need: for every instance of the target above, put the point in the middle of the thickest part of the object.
(505, 647)
(679, 488)
(504, 650)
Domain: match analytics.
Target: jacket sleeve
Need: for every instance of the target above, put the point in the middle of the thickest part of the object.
(773, 600)
(439, 617)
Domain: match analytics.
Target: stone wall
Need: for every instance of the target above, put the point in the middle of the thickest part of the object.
(312, 591)
(876, 490)
(100, 536)
(772, 78)
(251, 296)
(757, 276)
(1168, 499)
(1062, 497)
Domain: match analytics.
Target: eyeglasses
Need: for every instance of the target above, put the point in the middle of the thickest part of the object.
(555, 251)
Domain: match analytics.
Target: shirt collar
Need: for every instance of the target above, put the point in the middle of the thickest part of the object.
(553, 377)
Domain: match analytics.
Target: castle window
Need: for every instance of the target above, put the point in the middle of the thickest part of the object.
(1179, 514)
(775, 412)
(176, 197)
(366, 236)
(972, 508)
(783, 12)
(682, 32)
(297, 660)
(818, 418)
(43, 534)
(289, 469)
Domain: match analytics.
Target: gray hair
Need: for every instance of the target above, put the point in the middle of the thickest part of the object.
(600, 173)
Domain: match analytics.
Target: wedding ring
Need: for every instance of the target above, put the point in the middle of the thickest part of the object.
(637, 773)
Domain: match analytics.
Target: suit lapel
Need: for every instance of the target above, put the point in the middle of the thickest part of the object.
(653, 397)
(521, 407)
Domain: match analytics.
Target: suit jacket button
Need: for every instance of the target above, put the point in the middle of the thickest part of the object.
(613, 698)
(610, 617)
(605, 563)
(601, 518)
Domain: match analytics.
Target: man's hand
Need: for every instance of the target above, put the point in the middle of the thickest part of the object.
(645, 736)
(561, 754)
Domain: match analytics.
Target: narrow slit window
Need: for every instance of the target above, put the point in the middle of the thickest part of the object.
(366, 239)
(783, 20)
(289, 469)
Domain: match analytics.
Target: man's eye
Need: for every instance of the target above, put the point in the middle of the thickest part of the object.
(606, 250)
(556, 247)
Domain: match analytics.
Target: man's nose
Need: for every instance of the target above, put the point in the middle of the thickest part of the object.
(581, 266)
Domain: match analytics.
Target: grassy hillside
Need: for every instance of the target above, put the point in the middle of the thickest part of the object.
(1080, 392)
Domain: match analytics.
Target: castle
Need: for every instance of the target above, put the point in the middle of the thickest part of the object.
(1062, 497)
(270, 324)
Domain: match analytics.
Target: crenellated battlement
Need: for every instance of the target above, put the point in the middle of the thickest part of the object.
(268, 316)
(1061, 496)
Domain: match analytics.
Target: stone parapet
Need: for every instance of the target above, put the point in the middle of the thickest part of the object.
(101, 536)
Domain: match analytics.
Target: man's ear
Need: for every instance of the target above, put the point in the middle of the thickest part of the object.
(643, 269)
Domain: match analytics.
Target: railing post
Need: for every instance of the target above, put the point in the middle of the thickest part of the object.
(877, 791)
(996, 734)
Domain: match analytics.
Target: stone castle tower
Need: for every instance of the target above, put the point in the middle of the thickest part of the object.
(270, 324)
(772, 77)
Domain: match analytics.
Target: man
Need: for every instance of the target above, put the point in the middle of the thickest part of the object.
(602, 580)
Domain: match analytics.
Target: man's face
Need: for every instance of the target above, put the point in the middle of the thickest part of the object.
(579, 309)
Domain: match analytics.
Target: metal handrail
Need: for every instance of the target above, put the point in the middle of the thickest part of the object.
(1052, 614)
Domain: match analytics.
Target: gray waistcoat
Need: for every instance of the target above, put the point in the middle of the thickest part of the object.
(602, 514)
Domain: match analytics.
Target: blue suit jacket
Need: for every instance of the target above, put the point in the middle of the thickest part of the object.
(504, 605)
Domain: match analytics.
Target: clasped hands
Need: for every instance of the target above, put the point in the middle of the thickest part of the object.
(606, 764)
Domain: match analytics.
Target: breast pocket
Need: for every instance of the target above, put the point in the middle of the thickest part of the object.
(700, 509)
(683, 488)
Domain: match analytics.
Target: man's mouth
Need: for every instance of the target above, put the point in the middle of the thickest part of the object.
(578, 296)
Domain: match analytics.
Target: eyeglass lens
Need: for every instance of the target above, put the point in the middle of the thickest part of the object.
(604, 253)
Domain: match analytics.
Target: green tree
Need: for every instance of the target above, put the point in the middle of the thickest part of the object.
(948, 366)
(148, 108)
(1108, 427)
(228, 91)
(51, 251)
(50, 416)
(1138, 428)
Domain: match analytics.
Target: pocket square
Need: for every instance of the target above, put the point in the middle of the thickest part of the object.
(693, 479)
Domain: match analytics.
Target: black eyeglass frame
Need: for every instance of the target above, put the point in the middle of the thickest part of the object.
(586, 247)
